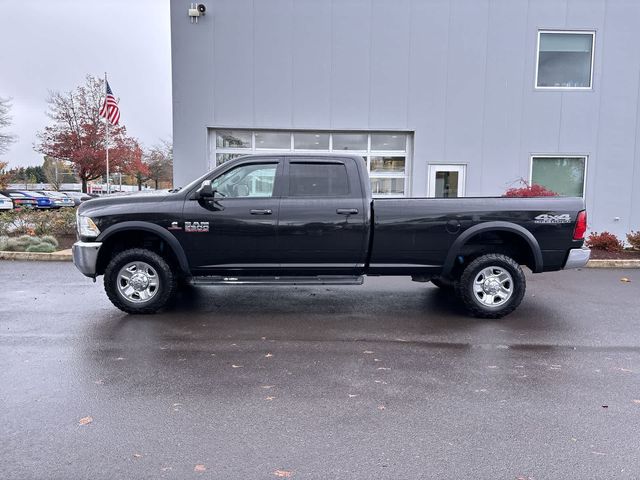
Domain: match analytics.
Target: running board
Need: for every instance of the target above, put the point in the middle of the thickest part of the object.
(319, 280)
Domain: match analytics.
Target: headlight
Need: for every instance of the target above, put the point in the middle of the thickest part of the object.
(86, 227)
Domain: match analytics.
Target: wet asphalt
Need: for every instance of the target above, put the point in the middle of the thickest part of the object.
(389, 380)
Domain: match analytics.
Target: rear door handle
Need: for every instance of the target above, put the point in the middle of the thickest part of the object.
(347, 211)
(266, 211)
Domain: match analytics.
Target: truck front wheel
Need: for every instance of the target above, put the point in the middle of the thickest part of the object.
(491, 286)
(139, 281)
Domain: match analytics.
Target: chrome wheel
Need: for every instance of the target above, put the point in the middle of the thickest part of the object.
(493, 286)
(137, 282)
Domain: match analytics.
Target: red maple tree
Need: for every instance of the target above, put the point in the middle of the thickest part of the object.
(78, 134)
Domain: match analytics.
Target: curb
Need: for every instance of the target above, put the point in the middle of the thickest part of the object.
(61, 256)
(613, 264)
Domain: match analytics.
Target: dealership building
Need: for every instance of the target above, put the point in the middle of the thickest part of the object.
(441, 98)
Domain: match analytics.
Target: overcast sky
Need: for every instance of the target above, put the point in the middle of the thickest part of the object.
(52, 44)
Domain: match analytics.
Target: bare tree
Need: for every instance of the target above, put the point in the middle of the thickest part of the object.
(160, 161)
(6, 139)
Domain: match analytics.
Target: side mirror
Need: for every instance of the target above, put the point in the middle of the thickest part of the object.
(206, 190)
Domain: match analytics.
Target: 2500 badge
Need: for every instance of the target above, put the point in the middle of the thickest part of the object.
(191, 227)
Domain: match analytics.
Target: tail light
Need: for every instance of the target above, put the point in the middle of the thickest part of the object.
(581, 226)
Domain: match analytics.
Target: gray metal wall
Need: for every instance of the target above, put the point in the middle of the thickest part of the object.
(459, 73)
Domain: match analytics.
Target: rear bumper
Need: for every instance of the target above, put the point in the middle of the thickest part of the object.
(85, 257)
(578, 258)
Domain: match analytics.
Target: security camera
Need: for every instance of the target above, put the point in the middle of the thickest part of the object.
(196, 10)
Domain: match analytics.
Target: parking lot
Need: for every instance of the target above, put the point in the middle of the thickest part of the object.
(387, 380)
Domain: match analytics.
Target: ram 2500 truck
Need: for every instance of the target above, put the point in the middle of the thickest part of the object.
(311, 219)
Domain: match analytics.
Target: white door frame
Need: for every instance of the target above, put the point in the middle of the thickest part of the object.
(447, 167)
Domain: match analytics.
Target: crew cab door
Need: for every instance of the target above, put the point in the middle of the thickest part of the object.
(322, 227)
(237, 229)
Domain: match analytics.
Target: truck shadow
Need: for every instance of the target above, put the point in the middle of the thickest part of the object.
(413, 314)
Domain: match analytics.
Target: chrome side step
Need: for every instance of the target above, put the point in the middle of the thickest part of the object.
(319, 280)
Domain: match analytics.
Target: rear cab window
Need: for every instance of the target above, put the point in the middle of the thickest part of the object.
(321, 179)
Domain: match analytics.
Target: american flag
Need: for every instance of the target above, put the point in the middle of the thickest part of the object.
(110, 109)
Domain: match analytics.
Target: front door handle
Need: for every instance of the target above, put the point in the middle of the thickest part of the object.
(266, 211)
(347, 211)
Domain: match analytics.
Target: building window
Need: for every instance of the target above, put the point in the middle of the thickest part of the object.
(386, 154)
(562, 175)
(565, 60)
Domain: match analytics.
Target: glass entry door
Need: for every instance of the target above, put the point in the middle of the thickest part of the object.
(446, 181)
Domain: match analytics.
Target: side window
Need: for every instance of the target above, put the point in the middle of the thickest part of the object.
(318, 180)
(255, 180)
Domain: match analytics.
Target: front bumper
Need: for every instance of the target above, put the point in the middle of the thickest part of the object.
(578, 258)
(85, 257)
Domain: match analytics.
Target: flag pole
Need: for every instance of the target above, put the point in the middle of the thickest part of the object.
(107, 135)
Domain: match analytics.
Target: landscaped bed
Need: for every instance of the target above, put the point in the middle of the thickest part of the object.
(37, 230)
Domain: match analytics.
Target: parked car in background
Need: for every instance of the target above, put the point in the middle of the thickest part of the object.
(42, 201)
(20, 200)
(59, 199)
(78, 197)
(5, 203)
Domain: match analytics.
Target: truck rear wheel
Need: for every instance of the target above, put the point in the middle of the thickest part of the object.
(491, 286)
(139, 281)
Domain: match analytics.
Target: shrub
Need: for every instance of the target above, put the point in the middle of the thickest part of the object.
(534, 190)
(49, 239)
(26, 243)
(604, 241)
(634, 239)
(43, 247)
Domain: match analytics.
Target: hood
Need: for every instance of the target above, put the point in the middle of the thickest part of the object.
(119, 199)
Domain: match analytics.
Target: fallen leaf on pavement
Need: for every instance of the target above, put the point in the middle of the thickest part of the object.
(383, 368)
(269, 398)
(381, 407)
(268, 355)
(199, 468)
(283, 473)
(137, 455)
(85, 420)
(625, 280)
(352, 395)
(236, 366)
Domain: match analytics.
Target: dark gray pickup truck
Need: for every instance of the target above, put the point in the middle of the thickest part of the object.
(292, 219)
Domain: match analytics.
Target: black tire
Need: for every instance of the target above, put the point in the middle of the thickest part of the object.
(442, 283)
(162, 294)
(472, 301)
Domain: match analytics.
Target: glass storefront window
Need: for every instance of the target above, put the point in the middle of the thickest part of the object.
(273, 140)
(310, 141)
(387, 164)
(225, 157)
(389, 142)
(350, 141)
(387, 186)
(562, 175)
(233, 139)
(386, 155)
